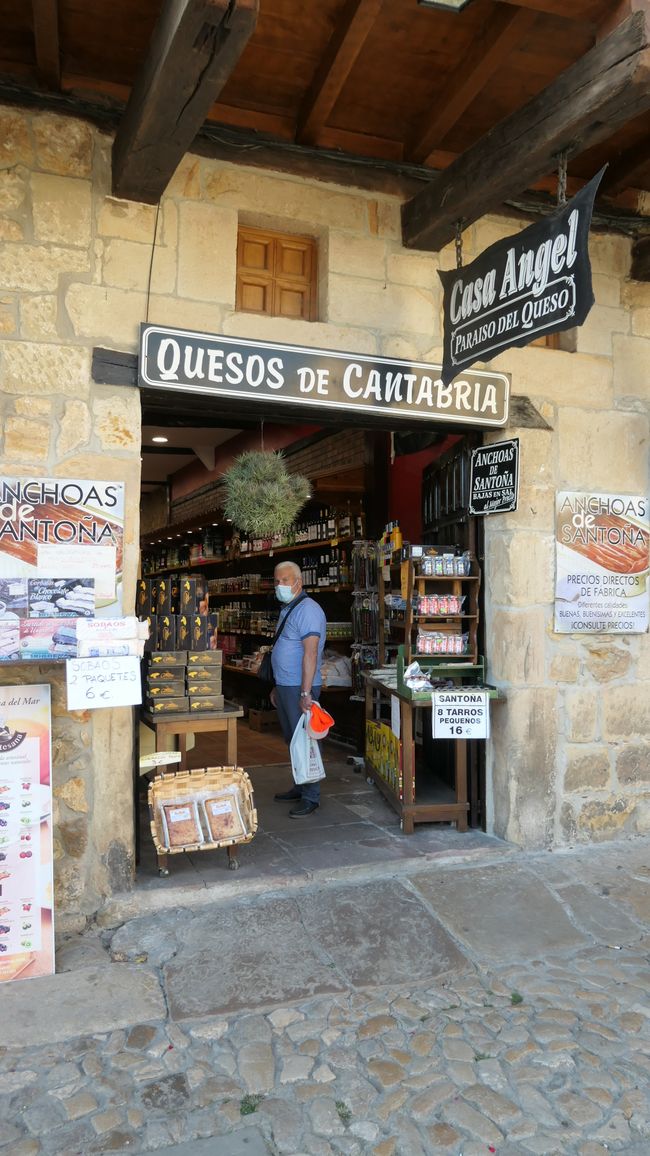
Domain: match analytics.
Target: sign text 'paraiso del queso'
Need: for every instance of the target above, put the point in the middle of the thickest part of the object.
(317, 379)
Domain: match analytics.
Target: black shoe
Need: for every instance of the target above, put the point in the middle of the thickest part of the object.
(303, 808)
(288, 796)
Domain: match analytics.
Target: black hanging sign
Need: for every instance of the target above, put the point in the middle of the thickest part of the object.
(273, 374)
(521, 288)
(494, 478)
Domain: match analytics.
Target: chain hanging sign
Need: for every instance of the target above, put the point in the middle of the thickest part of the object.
(521, 288)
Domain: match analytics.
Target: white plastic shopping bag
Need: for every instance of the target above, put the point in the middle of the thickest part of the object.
(306, 761)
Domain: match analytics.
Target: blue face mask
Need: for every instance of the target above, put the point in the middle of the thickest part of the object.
(284, 593)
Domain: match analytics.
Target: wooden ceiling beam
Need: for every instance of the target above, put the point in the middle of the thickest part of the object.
(607, 87)
(623, 169)
(45, 16)
(640, 270)
(502, 35)
(194, 49)
(567, 9)
(342, 51)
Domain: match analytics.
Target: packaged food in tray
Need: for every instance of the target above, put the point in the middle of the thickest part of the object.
(441, 642)
(223, 815)
(181, 824)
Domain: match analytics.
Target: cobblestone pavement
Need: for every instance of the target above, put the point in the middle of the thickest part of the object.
(535, 1040)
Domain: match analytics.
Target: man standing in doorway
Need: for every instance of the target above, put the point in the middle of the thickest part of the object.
(296, 661)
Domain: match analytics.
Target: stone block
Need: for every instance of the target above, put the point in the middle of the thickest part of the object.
(403, 348)
(73, 793)
(126, 265)
(610, 254)
(517, 650)
(552, 375)
(33, 406)
(587, 768)
(26, 440)
(207, 252)
(61, 209)
(11, 230)
(63, 145)
(585, 443)
(13, 186)
(203, 316)
(564, 668)
(15, 139)
(287, 203)
(595, 334)
(607, 818)
(607, 660)
(631, 367)
(523, 752)
(186, 181)
(581, 715)
(641, 322)
(8, 323)
(384, 218)
(417, 269)
(74, 428)
(633, 763)
(519, 569)
(116, 421)
(626, 713)
(39, 317)
(45, 369)
(383, 307)
(36, 268)
(357, 256)
(106, 316)
(314, 334)
(607, 290)
(127, 219)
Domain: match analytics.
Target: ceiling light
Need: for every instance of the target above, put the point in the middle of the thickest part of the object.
(160, 439)
(446, 5)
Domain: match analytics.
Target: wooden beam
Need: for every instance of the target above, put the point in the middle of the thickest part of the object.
(640, 270)
(609, 86)
(568, 9)
(619, 11)
(342, 51)
(194, 48)
(487, 54)
(622, 171)
(45, 15)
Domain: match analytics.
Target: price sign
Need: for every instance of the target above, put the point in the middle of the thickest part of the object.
(460, 714)
(103, 682)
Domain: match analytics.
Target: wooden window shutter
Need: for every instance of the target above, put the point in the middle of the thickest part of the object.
(277, 274)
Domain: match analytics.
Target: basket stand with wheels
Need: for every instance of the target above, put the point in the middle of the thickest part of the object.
(216, 804)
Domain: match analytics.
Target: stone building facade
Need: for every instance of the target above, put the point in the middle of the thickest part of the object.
(569, 757)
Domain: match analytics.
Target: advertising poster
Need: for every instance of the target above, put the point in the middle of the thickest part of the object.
(26, 927)
(602, 559)
(61, 558)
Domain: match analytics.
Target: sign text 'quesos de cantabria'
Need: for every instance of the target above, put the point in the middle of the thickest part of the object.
(217, 366)
(521, 288)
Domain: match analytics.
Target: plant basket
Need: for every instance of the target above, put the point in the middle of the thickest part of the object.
(216, 798)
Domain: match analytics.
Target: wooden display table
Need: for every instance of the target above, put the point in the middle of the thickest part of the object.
(168, 726)
(386, 772)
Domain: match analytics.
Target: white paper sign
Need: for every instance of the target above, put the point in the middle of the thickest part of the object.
(103, 682)
(460, 714)
(395, 718)
(98, 562)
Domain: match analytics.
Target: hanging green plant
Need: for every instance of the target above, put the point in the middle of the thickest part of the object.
(262, 497)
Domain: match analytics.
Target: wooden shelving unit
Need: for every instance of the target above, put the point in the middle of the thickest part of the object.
(406, 579)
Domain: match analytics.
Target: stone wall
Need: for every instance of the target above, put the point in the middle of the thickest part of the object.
(569, 755)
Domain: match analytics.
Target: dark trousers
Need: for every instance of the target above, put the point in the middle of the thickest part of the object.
(288, 705)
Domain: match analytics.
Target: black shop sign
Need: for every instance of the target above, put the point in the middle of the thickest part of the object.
(494, 478)
(521, 288)
(317, 379)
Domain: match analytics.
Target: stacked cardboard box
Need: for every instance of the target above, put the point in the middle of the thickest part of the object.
(183, 681)
(176, 610)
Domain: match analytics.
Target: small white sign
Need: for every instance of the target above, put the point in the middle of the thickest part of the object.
(103, 682)
(395, 717)
(460, 714)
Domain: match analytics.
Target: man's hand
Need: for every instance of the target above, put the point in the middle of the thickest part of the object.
(306, 703)
(273, 697)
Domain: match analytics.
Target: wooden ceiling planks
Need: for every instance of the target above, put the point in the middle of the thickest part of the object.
(45, 15)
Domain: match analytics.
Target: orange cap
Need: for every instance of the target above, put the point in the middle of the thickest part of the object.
(319, 721)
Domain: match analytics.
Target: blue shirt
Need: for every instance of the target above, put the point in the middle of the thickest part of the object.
(307, 619)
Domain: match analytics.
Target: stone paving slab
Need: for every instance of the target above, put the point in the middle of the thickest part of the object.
(500, 913)
(248, 1143)
(88, 1000)
(246, 957)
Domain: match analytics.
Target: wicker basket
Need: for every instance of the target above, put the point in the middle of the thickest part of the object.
(198, 787)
